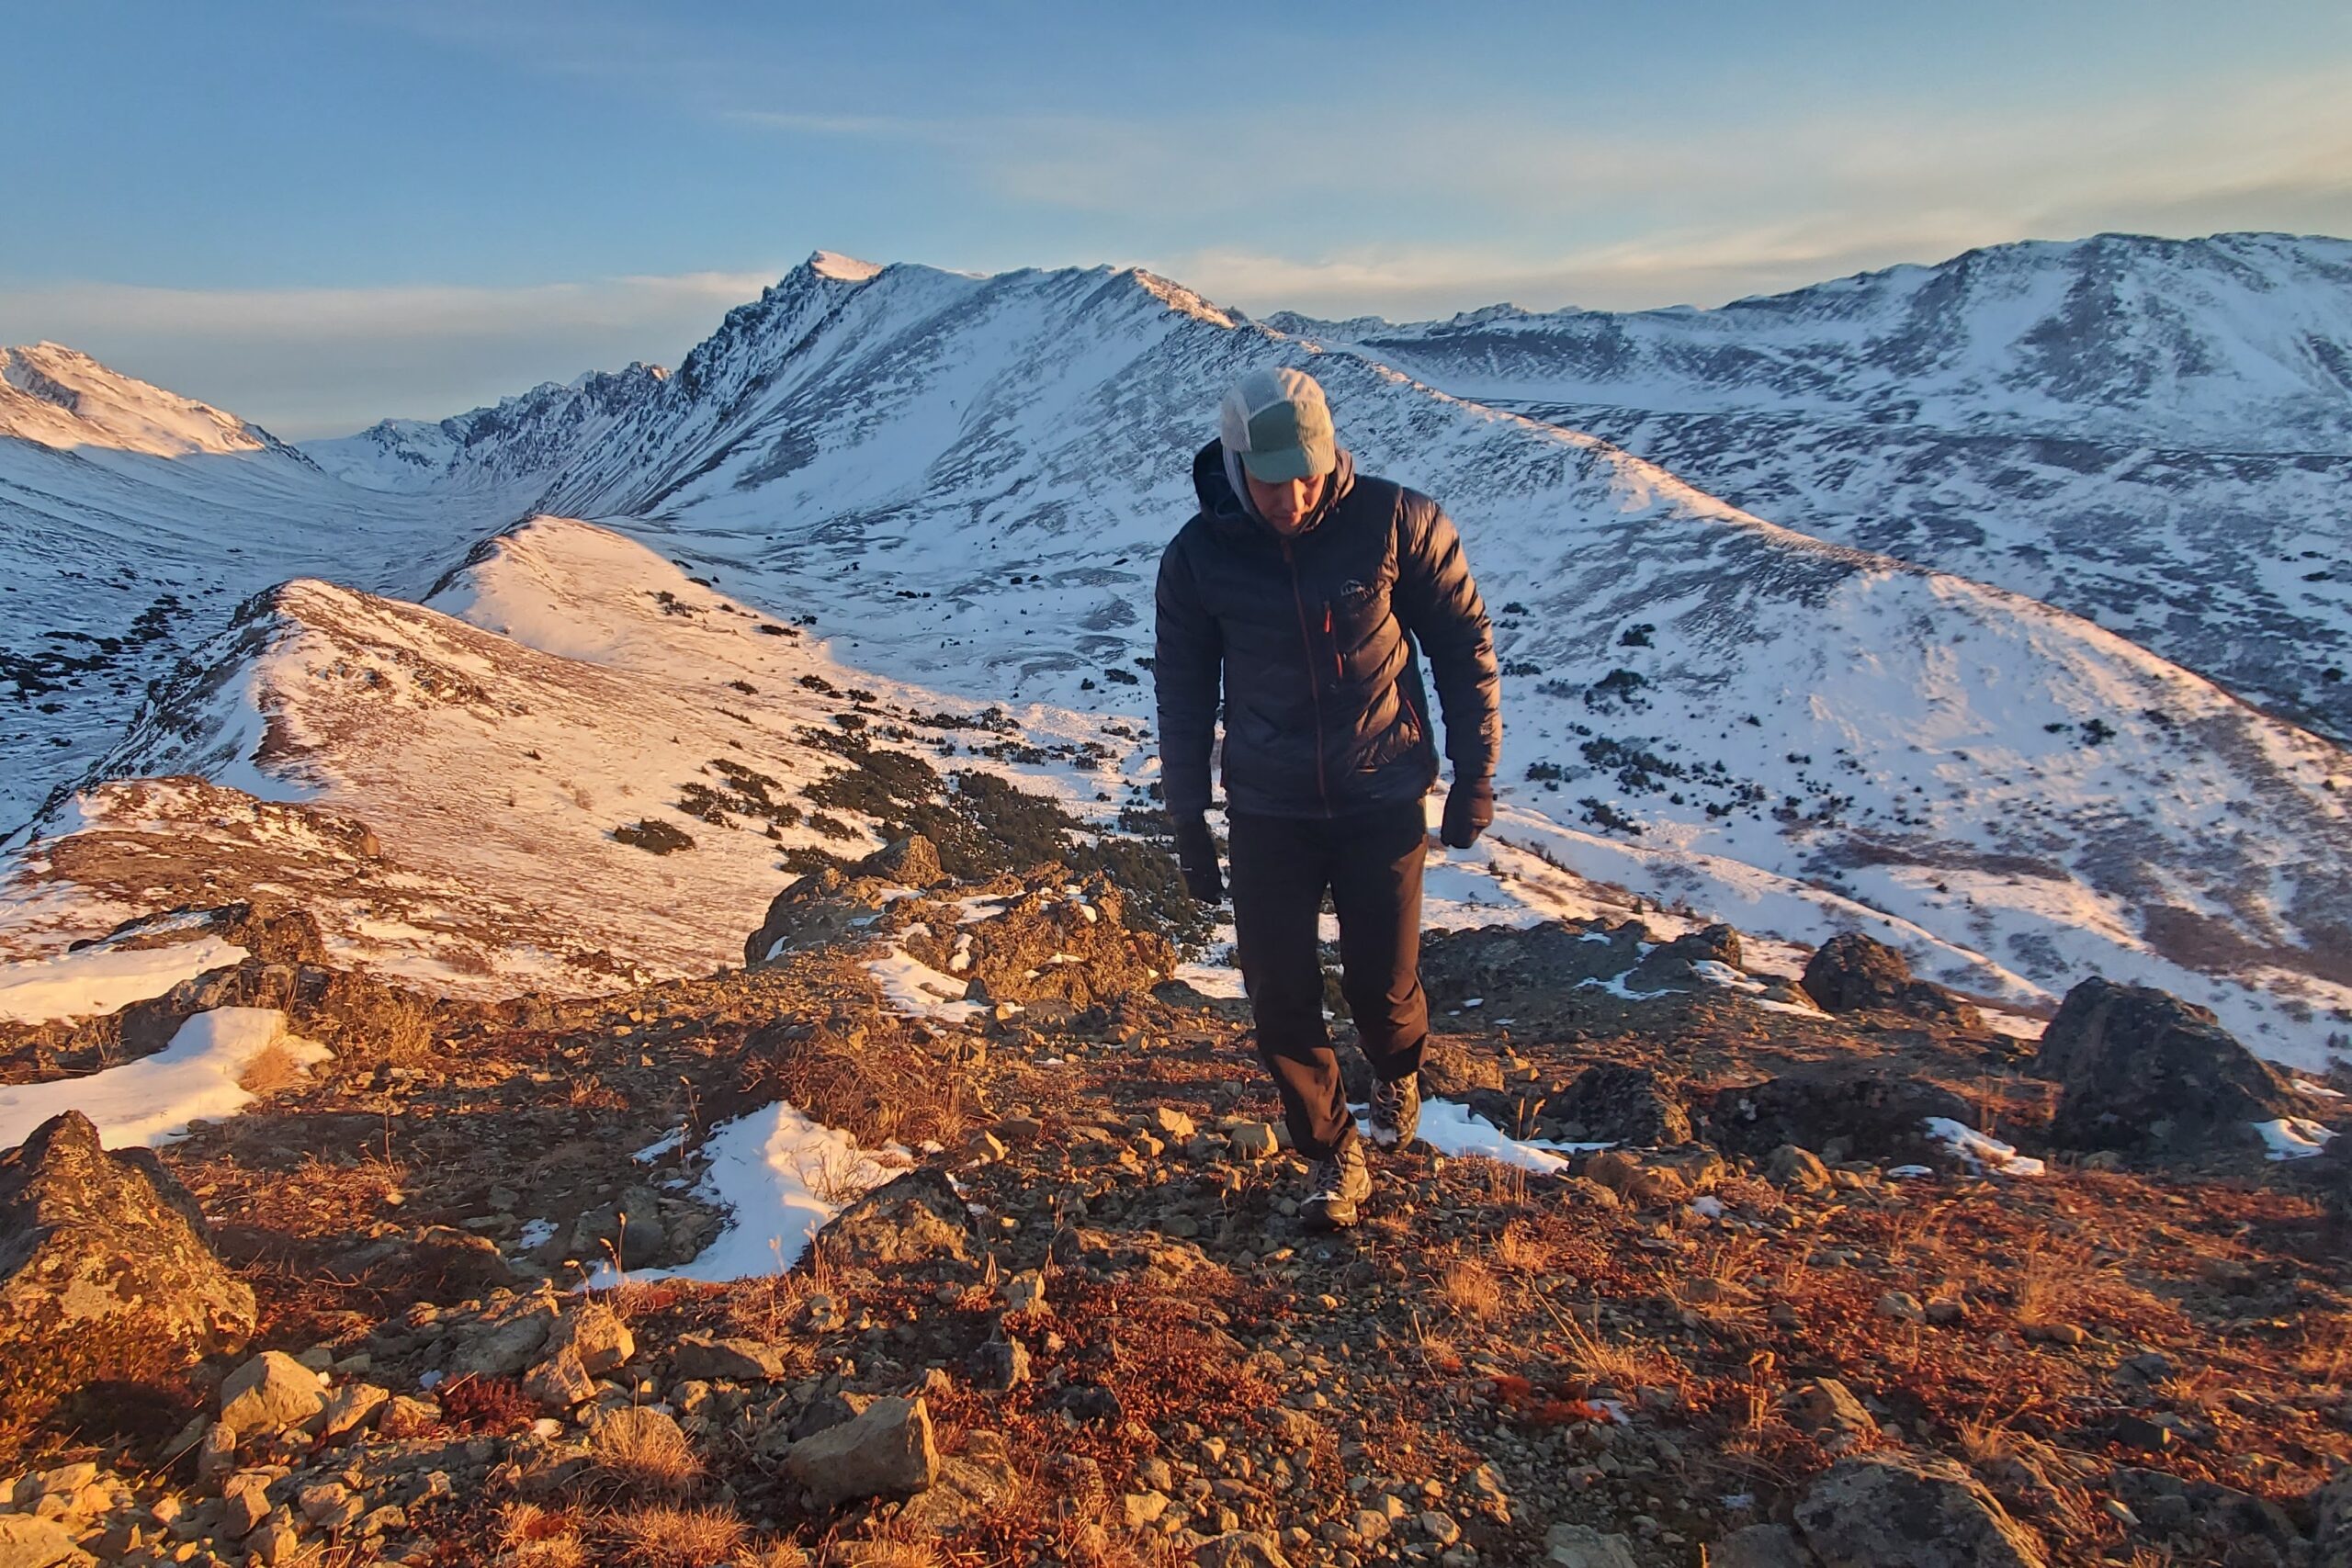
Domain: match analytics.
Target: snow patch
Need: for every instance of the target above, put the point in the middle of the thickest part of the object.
(99, 979)
(151, 1101)
(781, 1176)
(1980, 1151)
(2294, 1137)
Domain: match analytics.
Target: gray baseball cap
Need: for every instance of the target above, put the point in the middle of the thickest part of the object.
(1276, 421)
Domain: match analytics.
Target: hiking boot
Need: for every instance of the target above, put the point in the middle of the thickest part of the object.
(1336, 1186)
(1397, 1110)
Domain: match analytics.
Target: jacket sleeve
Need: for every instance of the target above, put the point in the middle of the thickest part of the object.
(1439, 605)
(1187, 669)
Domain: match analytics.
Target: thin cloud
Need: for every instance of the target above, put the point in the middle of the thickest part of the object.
(310, 362)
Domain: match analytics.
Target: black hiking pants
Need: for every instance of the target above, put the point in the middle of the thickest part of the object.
(1372, 864)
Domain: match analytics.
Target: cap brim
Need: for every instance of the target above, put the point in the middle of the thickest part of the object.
(1279, 466)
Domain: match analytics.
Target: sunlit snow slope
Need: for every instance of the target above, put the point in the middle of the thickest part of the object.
(963, 483)
(2155, 434)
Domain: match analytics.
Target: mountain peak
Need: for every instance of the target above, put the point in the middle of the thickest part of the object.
(62, 398)
(841, 268)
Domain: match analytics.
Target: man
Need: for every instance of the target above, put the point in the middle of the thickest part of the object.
(1301, 587)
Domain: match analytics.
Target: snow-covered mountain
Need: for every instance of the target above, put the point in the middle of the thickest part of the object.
(133, 520)
(2155, 434)
(510, 447)
(66, 399)
(961, 484)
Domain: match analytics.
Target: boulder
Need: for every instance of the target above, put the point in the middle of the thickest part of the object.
(916, 1219)
(2332, 1533)
(504, 1343)
(911, 862)
(272, 1393)
(1758, 1546)
(1797, 1170)
(1619, 1104)
(1852, 972)
(28, 1543)
(1524, 970)
(1844, 1111)
(886, 1451)
(976, 1481)
(107, 1273)
(2141, 1071)
(1673, 965)
(1581, 1546)
(1240, 1549)
(1449, 1071)
(1827, 1408)
(725, 1360)
(1895, 1510)
(596, 1334)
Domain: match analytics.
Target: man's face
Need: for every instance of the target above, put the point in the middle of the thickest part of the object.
(1289, 503)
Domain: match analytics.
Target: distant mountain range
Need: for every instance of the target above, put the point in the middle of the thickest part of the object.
(2155, 434)
(962, 483)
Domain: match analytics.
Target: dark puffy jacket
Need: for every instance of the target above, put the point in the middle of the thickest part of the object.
(1313, 639)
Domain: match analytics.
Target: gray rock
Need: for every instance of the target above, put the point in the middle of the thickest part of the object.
(885, 1452)
(1581, 1546)
(560, 1382)
(503, 1346)
(1758, 1546)
(1890, 1510)
(2141, 1071)
(918, 1219)
(976, 1481)
(725, 1360)
(602, 1340)
(352, 1405)
(1797, 1169)
(106, 1268)
(1619, 1104)
(2332, 1536)
(28, 1542)
(271, 1393)
(1240, 1549)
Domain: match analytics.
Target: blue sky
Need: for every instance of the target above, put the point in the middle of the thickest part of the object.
(318, 214)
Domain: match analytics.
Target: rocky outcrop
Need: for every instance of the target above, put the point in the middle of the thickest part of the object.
(2141, 1071)
(1842, 1111)
(917, 1219)
(1674, 965)
(1892, 1511)
(1510, 968)
(106, 1272)
(886, 1451)
(1852, 972)
(1619, 1104)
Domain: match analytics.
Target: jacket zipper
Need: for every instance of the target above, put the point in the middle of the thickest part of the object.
(1314, 687)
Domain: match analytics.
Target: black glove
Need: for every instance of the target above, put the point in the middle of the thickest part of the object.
(1196, 852)
(1469, 811)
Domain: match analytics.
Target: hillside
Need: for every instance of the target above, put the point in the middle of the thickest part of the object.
(962, 483)
(2150, 433)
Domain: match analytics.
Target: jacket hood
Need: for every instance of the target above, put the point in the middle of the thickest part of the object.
(1225, 503)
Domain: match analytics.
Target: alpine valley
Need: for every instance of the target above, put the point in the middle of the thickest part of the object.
(1995, 608)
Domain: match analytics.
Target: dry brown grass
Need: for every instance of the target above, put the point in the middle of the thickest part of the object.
(664, 1535)
(271, 1070)
(771, 1555)
(1471, 1291)
(1522, 1251)
(888, 1552)
(644, 1452)
(1596, 1360)
(533, 1537)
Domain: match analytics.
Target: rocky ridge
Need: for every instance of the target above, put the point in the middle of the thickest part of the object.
(1774, 1319)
